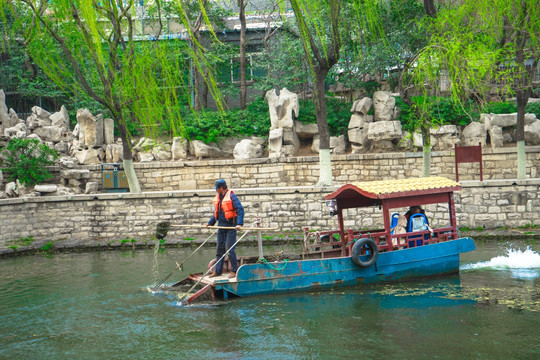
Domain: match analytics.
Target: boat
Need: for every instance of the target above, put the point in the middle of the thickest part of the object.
(353, 256)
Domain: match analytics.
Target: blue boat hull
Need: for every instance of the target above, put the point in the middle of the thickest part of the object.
(306, 275)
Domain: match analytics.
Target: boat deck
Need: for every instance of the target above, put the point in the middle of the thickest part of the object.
(207, 280)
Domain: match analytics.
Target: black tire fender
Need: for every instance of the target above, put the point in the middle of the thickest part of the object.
(367, 246)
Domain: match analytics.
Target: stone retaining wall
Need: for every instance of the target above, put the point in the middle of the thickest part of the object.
(304, 171)
(103, 218)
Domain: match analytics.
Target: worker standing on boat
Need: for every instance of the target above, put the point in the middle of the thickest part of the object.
(229, 212)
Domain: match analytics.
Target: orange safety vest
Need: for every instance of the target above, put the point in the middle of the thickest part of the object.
(226, 206)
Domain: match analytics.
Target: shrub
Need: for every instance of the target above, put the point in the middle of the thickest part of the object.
(27, 160)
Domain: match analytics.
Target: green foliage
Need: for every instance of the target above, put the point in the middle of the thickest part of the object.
(439, 110)
(27, 160)
(211, 126)
(446, 111)
(48, 246)
(282, 64)
(22, 241)
(338, 114)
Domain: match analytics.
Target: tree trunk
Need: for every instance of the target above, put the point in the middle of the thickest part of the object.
(243, 83)
(325, 164)
(523, 90)
(426, 153)
(133, 181)
(196, 100)
(522, 99)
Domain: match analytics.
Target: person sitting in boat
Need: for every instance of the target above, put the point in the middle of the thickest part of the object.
(400, 228)
(228, 212)
(417, 209)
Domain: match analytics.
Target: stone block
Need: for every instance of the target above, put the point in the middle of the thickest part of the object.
(362, 106)
(383, 105)
(283, 108)
(384, 130)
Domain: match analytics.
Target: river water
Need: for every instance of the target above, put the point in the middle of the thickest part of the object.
(97, 305)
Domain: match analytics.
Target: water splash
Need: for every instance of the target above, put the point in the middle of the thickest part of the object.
(513, 259)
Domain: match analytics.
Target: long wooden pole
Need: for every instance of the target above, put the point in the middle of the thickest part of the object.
(226, 227)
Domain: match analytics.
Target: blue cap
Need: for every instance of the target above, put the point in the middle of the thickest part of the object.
(220, 183)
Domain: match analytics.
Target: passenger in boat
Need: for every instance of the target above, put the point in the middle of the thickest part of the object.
(417, 209)
(229, 212)
(400, 228)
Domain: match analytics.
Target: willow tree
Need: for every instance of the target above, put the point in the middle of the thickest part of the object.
(319, 26)
(482, 43)
(89, 47)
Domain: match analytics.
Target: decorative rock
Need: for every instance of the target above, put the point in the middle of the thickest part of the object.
(258, 141)
(62, 147)
(418, 140)
(76, 131)
(60, 118)
(472, 134)
(162, 152)
(114, 153)
(4, 117)
(338, 144)
(362, 106)
(89, 156)
(145, 156)
(282, 107)
(496, 137)
(66, 162)
(108, 131)
(290, 137)
(76, 174)
(49, 133)
(201, 150)
(90, 130)
(445, 137)
(305, 131)
(45, 188)
(360, 121)
(227, 145)
(383, 105)
(383, 145)
(62, 191)
(532, 133)
(248, 149)
(13, 119)
(384, 130)
(144, 144)
(275, 142)
(41, 113)
(359, 140)
(179, 148)
(12, 190)
(17, 131)
(32, 121)
(91, 188)
(406, 142)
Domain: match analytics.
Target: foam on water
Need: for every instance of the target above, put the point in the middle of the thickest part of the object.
(513, 259)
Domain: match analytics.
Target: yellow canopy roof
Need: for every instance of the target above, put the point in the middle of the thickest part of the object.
(405, 185)
(395, 193)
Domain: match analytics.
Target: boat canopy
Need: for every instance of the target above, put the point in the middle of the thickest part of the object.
(395, 193)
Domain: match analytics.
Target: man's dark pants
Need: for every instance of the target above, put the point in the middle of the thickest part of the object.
(225, 239)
